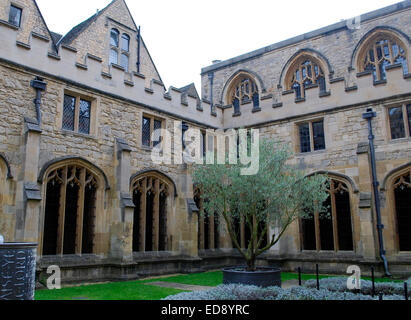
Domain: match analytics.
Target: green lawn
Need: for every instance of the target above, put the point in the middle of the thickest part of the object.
(137, 290)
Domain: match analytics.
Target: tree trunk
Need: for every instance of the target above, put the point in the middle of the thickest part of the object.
(251, 265)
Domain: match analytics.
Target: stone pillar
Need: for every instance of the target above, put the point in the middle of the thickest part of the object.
(122, 231)
(367, 246)
(31, 191)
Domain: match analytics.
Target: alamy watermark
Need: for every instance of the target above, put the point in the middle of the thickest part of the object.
(54, 280)
(240, 146)
(354, 281)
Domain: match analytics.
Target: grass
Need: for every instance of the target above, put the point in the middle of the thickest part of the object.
(138, 290)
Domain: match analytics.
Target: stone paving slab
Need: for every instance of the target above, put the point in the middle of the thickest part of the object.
(179, 286)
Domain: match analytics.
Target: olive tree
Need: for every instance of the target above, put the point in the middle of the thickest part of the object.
(274, 198)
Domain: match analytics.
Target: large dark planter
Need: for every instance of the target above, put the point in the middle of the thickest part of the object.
(263, 277)
(17, 271)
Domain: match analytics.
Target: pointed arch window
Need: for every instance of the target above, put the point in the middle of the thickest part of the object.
(244, 91)
(382, 51)
(402, 195)
(151, 195)
(70, 211)
(306, 73)
(331, 231)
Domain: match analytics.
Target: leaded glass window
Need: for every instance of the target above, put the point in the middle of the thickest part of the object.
(146, 132)
(244, 91)
(151, 136)
(69, 108)
(400, 121)
(124, 61)
(307, 73)
(76, 114)
(84, 116)
(125, 43)
(318, 135)
(312, 137)
(397, 123)
(305, 144)
(113, 56)
(383, 52)
(15, 15)
(114, 38)
(157, 133)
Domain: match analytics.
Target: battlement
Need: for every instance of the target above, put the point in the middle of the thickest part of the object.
(37, 57)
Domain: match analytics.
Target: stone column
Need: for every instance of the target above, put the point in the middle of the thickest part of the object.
(368, 245)
(31, 191)
(122, 230)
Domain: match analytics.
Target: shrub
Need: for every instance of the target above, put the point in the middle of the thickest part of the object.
(242, 292)
(340, 285)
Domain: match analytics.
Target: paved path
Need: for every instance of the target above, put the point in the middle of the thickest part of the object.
(180, 286)
(189, 287)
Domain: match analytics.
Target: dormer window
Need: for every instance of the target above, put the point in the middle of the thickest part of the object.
(15, 16)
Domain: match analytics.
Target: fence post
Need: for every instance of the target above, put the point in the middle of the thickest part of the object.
(299, 276)
(373, 282)
(406, 291)
(318, 276)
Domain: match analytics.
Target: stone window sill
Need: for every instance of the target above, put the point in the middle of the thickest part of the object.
(312, 153)
(78, 134)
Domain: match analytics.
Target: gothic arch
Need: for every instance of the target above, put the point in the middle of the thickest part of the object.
(7, 165)
(73, 207)
(397, 185)
(338, 233)
(157, 172)
(73, 159)
(338, 176)
(404, 38)
(309, 53)
(152, 193)
(241, 72)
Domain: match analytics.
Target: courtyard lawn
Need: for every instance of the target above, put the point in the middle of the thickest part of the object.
(138, 290)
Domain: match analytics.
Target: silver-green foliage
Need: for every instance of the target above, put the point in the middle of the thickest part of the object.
(275, 197)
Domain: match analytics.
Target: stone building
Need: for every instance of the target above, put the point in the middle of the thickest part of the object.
(77, 113)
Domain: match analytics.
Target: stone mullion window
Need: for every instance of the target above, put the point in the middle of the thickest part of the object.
(74, 208)
(311, 136)
(400, 121)
(306, 73)
(402, 208)
(341, 234)
(76, 114)
(244, 90)
(150, 214)
(382, 51)
(119, 49)
(149, 126)
(207, 227)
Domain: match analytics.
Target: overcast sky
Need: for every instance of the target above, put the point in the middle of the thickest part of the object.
(184, 36)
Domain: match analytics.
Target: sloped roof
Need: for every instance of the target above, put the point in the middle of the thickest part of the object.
(77, 30)
(190, 90)
(56, 36)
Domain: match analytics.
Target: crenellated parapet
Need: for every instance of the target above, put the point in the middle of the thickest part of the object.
(38, 58)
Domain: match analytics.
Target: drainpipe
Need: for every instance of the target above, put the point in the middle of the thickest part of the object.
(138, 48)
(39, 85)
(369, 115)
(211, 78)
